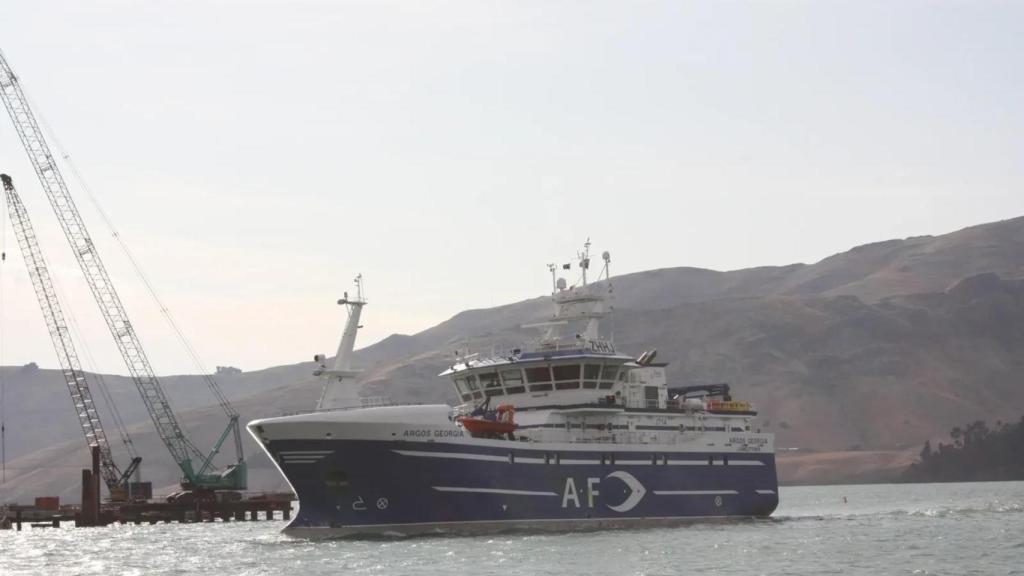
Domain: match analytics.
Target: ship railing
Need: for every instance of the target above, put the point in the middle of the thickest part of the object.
(627, 437)
(644, 404)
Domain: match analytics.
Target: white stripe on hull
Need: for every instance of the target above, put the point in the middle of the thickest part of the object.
(694, 492)
(493, 491)
(569, 461)
(452, 455)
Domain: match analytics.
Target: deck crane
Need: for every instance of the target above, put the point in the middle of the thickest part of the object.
(202, 477)
(71, 367)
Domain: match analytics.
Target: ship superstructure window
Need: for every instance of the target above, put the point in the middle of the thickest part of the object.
(569, 372)
(610, 373)
(489, 380)
(566, 377)
(591, 373)
(471, 383)
(494, 392)
(516, 389)
(512, 377)
(540, 387)
(463, 388)
(538, 374)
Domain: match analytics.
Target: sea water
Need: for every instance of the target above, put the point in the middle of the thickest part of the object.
(955, 529)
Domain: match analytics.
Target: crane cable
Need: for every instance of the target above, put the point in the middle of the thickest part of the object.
(3, 377)
(222, 400)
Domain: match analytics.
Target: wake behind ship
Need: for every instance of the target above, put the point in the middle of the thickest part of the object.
(568, 434)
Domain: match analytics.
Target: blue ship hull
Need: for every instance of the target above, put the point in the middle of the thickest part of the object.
(348, 487)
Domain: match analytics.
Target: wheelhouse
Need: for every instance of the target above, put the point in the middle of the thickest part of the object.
(583, 378)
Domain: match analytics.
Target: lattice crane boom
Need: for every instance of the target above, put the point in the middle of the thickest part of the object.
(110, 305)
(63, 345)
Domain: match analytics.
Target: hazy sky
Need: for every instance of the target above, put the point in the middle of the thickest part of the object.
(258, 155)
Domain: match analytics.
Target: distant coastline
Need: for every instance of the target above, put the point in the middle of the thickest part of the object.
(977, 453)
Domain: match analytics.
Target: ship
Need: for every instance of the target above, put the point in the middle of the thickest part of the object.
(564, 433)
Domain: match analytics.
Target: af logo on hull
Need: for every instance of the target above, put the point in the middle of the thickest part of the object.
(571, 494)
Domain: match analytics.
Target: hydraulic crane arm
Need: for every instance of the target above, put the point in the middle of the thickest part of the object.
(111, 308)
(71, 368)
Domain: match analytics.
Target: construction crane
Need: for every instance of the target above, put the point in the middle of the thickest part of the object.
(198, 475)
(71, 367)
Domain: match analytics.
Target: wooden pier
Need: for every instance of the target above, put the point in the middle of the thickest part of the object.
(247, 510)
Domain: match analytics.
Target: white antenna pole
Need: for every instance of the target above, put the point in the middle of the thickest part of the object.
(554, 281)
(585, 260)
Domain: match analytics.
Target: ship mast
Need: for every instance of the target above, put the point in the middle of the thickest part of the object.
(579, 302)
(334, 394)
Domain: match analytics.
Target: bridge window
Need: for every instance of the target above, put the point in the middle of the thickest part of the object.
(471, 383)
(606, 385)
(466, 397)
(589, 385)
(569, 372)
(591, 371)
(540, 387)
(574, 385)
(494, 392)
(512, 377)
(489, 380)
(610, 373)
(515, 389)
(540, 374)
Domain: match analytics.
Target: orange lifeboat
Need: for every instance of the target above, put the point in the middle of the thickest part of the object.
(499, 422)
